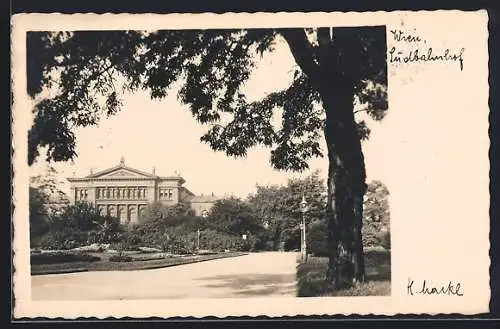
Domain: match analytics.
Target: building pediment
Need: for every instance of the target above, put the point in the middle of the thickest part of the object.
(121, 172)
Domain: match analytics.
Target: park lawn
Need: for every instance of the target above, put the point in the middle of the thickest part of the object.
(312, 274)
(138, 264)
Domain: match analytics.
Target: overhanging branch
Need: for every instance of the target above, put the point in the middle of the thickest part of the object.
(302, 51)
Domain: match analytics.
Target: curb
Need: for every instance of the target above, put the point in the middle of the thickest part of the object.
(62, 271)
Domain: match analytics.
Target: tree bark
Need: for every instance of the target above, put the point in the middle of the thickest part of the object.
(346, 188)
(346, 172)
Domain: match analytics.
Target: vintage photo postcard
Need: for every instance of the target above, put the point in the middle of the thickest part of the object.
(279, 164)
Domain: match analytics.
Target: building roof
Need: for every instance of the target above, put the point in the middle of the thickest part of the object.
(187, 191)
(122, 167)
(205, 198)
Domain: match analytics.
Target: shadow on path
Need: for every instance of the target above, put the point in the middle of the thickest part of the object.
(252, 284)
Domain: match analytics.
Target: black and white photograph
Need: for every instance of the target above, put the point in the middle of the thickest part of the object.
(176, 161)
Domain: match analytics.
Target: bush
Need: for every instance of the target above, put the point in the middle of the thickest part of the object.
(385, 240)
(291, 238)
(130, 240)
(79, 225)
(62, 257)
(38, 214)
(311, 277)
(262, 242)
(217, 241)
(179, 244)
(317, 238)
(62, 240)
(120, 258)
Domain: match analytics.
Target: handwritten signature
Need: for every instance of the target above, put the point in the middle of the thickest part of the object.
(449, 289)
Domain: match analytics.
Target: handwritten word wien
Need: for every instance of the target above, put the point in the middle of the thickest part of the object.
(412, 56)
(402, 36)
(448, 289)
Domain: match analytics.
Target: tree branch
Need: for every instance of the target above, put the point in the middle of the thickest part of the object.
(324, 37)
(363, 110)
(302, 51)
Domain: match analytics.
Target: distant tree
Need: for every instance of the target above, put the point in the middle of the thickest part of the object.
(48, 184)
(376, 221)
(279, 206)
(83, 216)
(335, 67)
(39, 215)
(269, 205)
(376, 203)
(376, 216)
(317, 237)
(45, 200)
(158, 210)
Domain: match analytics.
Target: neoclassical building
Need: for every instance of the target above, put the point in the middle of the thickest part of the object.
(124, 192)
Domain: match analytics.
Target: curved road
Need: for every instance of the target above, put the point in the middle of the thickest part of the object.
(253, 275)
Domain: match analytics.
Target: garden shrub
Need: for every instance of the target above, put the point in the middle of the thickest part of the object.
(291, 238)
(317, 238)
(385, 240)
(217, 241)
(120, 258)
(311, 277)
(79, 225)
(62, 240)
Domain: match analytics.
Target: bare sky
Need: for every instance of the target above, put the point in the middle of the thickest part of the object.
(163, 134)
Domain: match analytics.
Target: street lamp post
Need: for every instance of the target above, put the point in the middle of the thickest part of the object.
(303, 209)
(198, 240)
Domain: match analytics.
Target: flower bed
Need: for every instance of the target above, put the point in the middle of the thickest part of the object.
(133, 265)
(61, 257)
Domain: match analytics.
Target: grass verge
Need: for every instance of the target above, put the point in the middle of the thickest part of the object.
(40, 269)
(311, 277)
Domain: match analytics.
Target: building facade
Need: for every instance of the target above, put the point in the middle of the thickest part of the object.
(124, 192)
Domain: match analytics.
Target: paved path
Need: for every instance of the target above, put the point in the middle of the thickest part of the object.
(258, 275)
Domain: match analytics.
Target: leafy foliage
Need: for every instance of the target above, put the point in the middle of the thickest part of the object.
(80, 224)
(39, 224)
(120, 258)
(234, 217)
(157, 210)
(385, 240)
(317, 238)
(218, 241)
(280, 207)
(213, 65)
(376, 212)
(45, 201)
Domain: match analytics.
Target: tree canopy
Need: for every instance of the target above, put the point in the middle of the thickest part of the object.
(85, 67)
(280, 202)
(234, 216)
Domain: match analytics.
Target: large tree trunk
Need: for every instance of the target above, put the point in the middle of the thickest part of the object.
(346, 172)
(346, 188)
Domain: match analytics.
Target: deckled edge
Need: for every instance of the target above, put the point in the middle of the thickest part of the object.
(18, 18)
